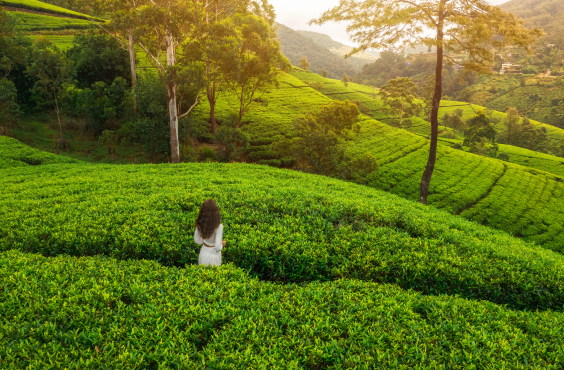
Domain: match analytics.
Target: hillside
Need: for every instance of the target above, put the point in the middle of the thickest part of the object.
(101, 225)
(545, 14)
(295, 46)
(34, 15)
(358, 60)
(489, 191)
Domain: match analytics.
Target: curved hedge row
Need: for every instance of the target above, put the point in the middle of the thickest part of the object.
(15, 154)
(96, 312)
(280, 225)
(46, 8)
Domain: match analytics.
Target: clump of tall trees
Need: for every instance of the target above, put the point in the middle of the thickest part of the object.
(201, 51)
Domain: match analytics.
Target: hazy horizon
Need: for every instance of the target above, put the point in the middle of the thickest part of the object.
(297, 13)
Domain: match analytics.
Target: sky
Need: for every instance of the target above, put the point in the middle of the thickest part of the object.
(296, 13)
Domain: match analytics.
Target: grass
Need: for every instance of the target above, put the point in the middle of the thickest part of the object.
(139, 315)
(44, 7)
(37, 22)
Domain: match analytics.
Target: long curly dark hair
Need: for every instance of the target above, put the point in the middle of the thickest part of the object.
(209, 218)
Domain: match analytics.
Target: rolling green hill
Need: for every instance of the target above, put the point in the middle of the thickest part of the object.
(42, 7)
(357, 60)
(97, 294)
(294, 46)
(513, 198)
(39, 22)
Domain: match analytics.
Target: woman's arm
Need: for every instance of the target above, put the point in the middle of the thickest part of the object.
(197, 238)
(218, 238)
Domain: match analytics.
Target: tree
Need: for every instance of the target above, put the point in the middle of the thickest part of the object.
(454, 120)
(98, 58)
(259, 64)
(479, 126)
(511, 122)
(346, 79)
(324, 72)
(399, 99)
(161, 26)
(11, 51)
(320, 141)
(304, 63)
(9, 109)
(51, 70)
(470, 26)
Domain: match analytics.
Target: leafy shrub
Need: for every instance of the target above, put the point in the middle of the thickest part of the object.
(503, 156)
(98, 58)
(233, 140)
(207, 153)
(280, 225)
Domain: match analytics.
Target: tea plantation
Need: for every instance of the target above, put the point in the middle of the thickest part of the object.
(463, 183)
(368, 277)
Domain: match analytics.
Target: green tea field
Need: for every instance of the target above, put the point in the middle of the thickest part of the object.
(321, 272)
(463, 183)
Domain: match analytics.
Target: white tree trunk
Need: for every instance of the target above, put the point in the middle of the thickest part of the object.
(133, 69)
(132, 60)
(172, 109)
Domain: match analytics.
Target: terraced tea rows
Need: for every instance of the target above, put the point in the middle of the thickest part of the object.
(137, 314)
(38, 22)
(461, 179)
(280, 224)
(43, 8)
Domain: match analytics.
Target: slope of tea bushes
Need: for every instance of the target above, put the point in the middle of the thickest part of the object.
(42, 7)
(15, 154)
(40, 22)
(460, 182)
(95, 312)
(281, 225)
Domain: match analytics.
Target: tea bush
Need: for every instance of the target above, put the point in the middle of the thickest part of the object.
(96, 312)
(280, 225)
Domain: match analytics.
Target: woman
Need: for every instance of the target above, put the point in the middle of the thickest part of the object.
(209, 232)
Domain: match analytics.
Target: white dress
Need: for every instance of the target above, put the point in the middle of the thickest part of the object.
(211, 255)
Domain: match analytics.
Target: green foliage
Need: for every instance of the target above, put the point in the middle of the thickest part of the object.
(399, 99)
(531, 70)
(320, 138)
(100, 106)
(281, 225)
(233, 140)
(9, 109)
(479, 127)
(503, 156)
(153, 311)
(98, 58)
(110, 140)
(207, 153)
(304, 64)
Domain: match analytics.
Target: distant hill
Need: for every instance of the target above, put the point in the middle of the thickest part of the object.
(545, 14)
(358, 60)
(295, 46)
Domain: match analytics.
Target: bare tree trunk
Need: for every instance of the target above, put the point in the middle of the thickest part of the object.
(428, 173)
(172, 108)
(211, 100)
(133, 67)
